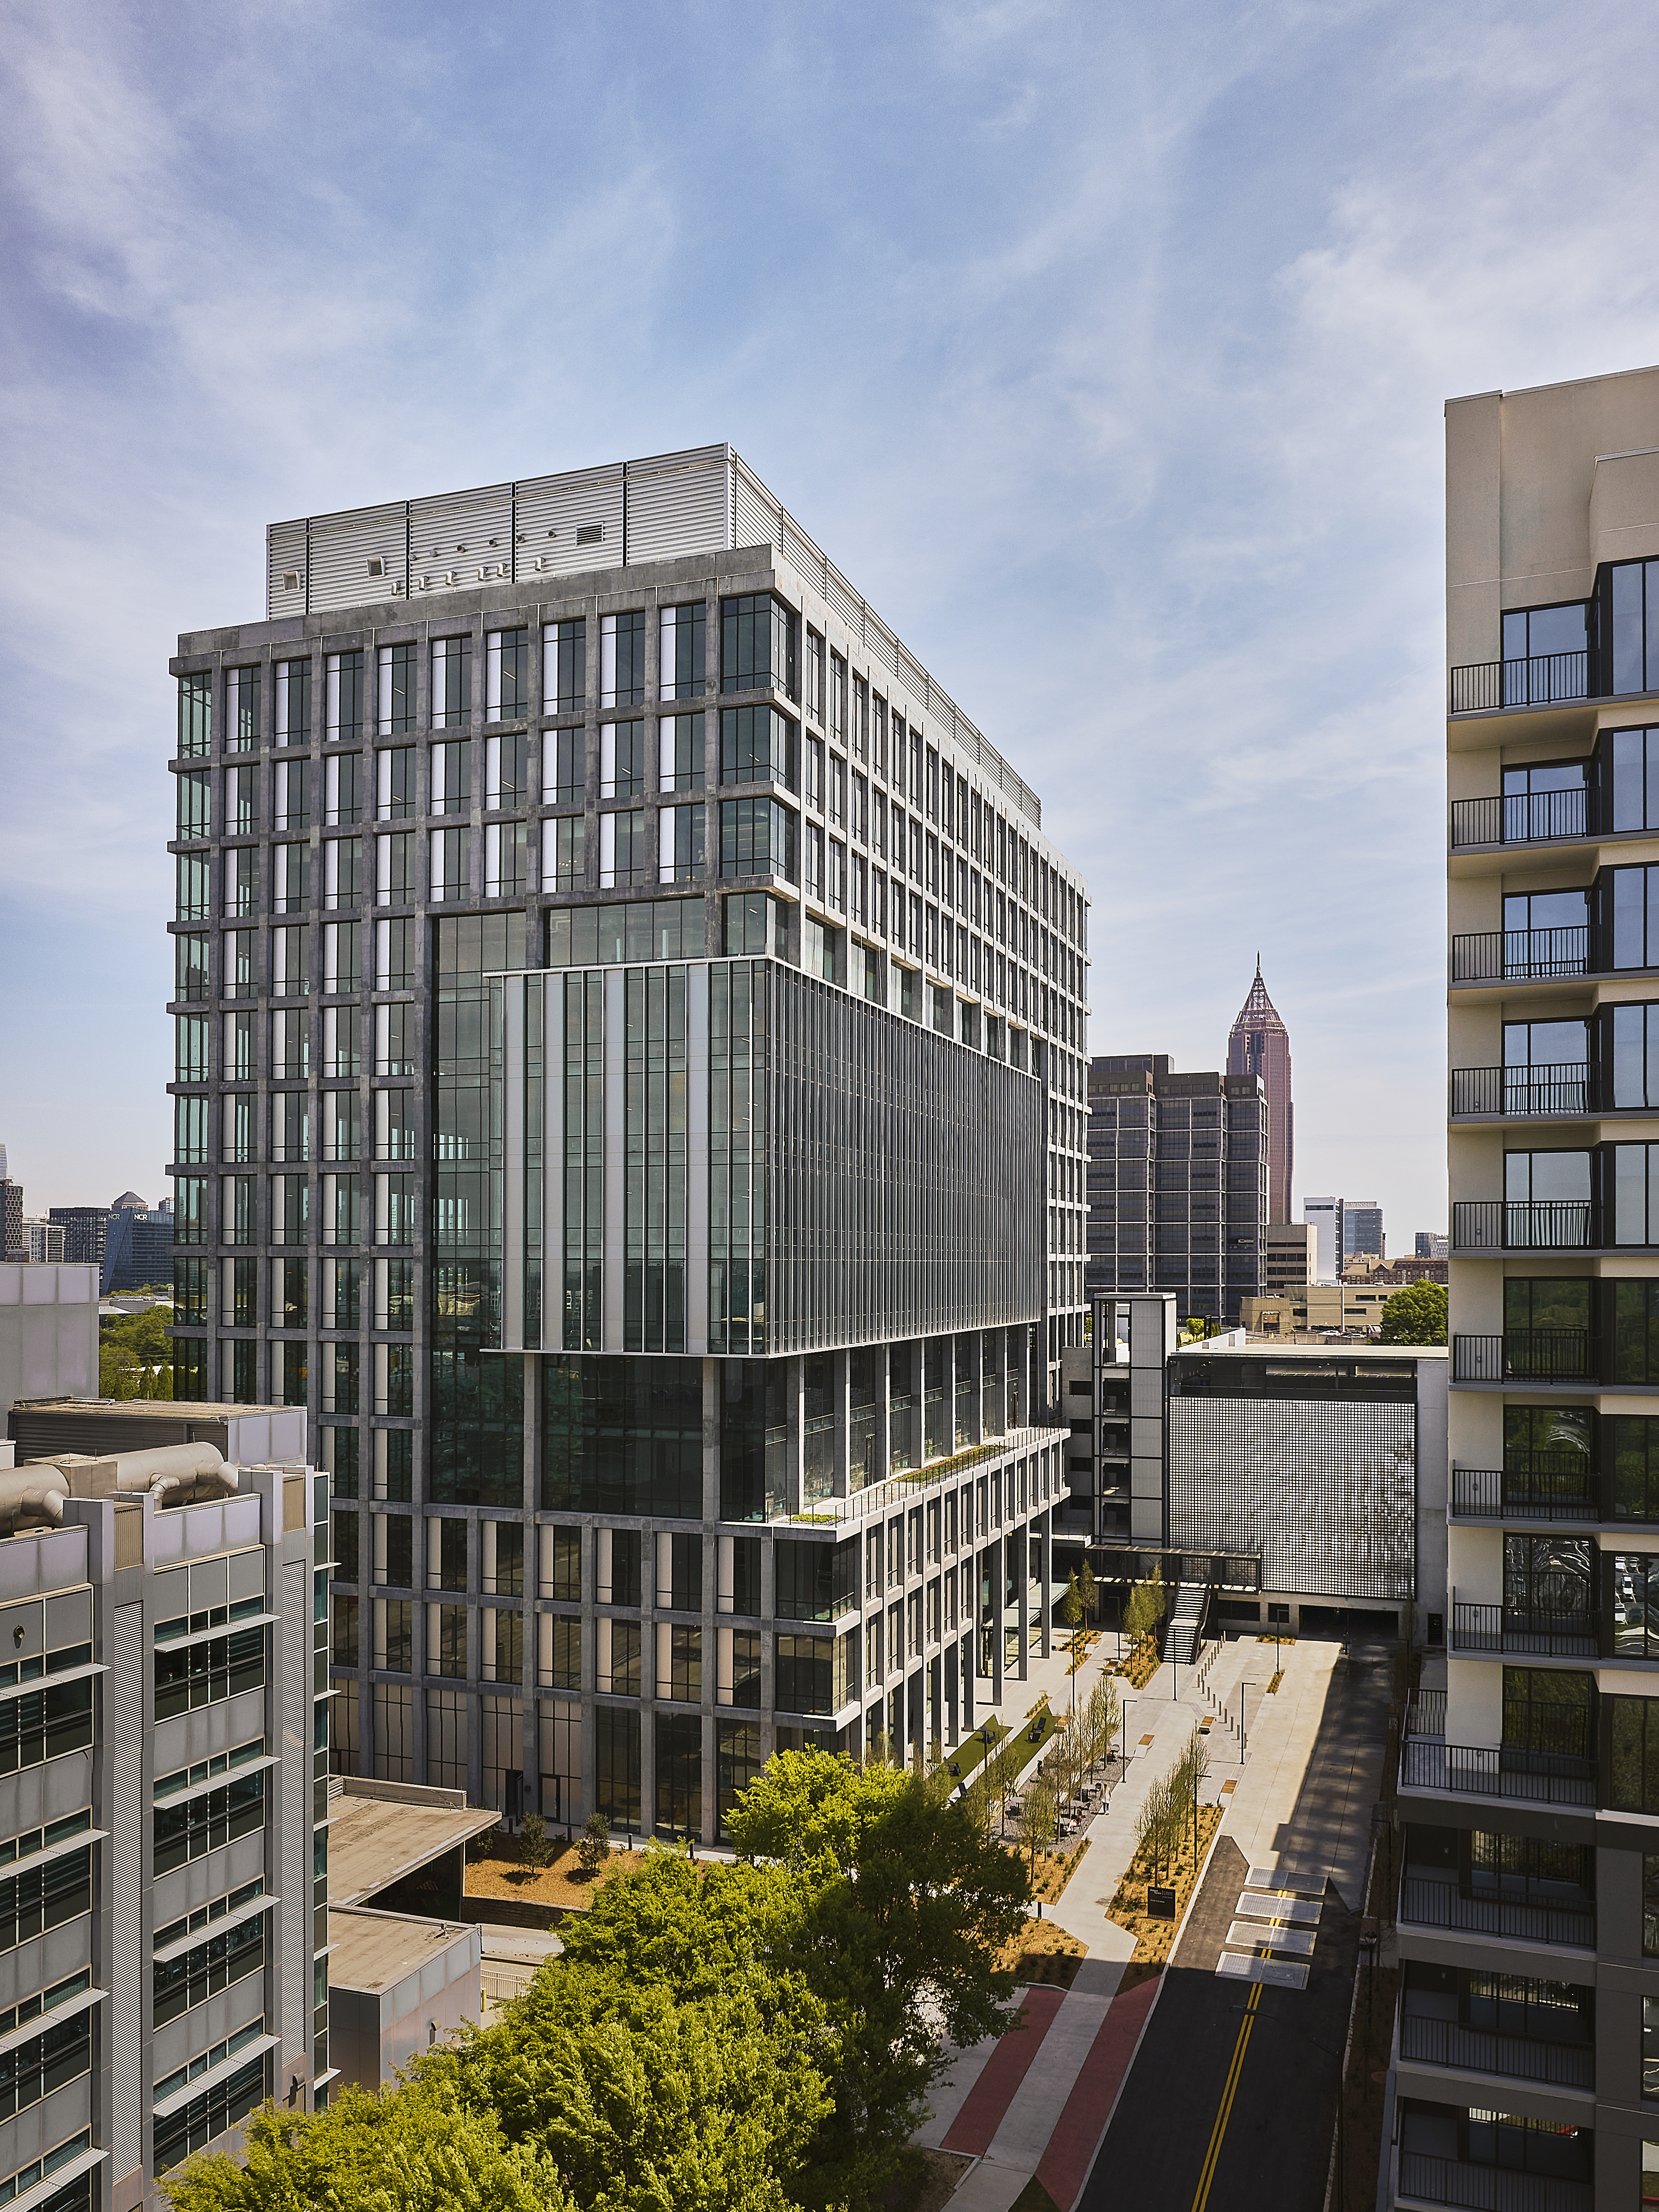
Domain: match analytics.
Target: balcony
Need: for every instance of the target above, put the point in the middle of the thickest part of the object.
(1524, 817)
(1525, 1092)
(1530, 1631)
(1520, 956)
(1434, 2042)
(1535, 1494)
(1428, 1902)
(1529, 1355)
(1530, 1778)
(1489, 2188)
(1536, 1225)
(1542, 679)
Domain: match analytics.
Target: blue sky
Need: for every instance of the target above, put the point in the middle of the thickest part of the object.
(1105, 349)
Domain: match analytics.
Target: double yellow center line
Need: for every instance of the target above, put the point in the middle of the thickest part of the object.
(1219, 2130)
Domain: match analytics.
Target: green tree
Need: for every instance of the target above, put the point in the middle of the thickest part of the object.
(416, 2149)
(1070, 1611)
(535, 1844)
(1039, 1817)
(1416, 1314)
(135, 1355)
(905, 1904)
(594, 1848)
(1144, 1616)
(1088, 1589)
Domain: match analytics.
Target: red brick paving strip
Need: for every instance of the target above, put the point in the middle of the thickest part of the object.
(986, 2106)
(1081, 2125)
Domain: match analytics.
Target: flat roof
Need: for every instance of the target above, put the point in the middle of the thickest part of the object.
(377, 1950)
(378, 1832)
(1265, 1348)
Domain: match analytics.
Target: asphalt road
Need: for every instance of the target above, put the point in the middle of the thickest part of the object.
(1231, 2105)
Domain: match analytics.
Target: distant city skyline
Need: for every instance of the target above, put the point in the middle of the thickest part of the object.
(1260, 1044)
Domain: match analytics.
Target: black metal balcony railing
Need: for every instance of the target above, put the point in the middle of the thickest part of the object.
(1483, 2051)
(1520, 956)
(1534, 1777)
(1543, 679)
(1481, 1493)
(1425, 1714)
(1489, 2188)
(1528, 1355)
(1539, 1632)
(1537, 1225)
(1426, 1902)
(1563, 1087)
(1527, 817)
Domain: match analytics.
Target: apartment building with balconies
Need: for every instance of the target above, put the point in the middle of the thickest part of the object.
(1527, 2061)
(653, 1310)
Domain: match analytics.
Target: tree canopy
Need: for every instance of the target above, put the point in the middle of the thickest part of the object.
(135, 1355)
(744, 2038)
(1416, 1314)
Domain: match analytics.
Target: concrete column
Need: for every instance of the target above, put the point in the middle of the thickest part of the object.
(840, 1370)
(996, 1561)
(1048, 1537)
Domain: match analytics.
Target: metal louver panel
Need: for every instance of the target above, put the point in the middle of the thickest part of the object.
(454, 536)
(677, 507)
(553, 510)
(802, 556)
(755, 521)
(285, 556)
(839, 594)
(342, 547)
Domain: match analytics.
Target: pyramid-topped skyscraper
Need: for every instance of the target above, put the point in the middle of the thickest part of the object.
(1260, 1044)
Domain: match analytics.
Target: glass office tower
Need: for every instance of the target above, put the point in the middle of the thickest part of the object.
(630, 1085)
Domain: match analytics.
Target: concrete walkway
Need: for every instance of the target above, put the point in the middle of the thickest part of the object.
(1039, 2099)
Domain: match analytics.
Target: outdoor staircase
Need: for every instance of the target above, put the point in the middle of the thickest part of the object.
(1192, 1603)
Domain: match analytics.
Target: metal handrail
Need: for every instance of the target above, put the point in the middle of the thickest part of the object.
(1538, 1778)
(1541, 679)
(1523, 818)
(1567, 1633)
(1563, 1087)
(1427, 1903)
(1537, 1225)
(1484, 2050)
(1497, 955)
(1492, 1493)
(1489, 2188)
(1534, 1355)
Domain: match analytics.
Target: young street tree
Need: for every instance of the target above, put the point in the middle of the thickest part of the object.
(535, 1844)
(594, 1848)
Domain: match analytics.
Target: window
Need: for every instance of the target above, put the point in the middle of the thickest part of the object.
(341, 969)
(449, 864)
(208, 1671)
(1636, 1605)
(189, 1132)
(758, 745)
(563, 849)
(343, 791)
(34, 2069)
(290, 888)
(241, 710)
(680, 763)
(622, 658)
(194, 794)
(451, 778)
(861, 823)
(758, 645)
(340, 1049)
(814, 674)
(680, 844)
(1632, 1781)
(394, 1039)
(189, 965)
(564, 667)
(394, 877)
(681, 652)
(860, 731)
(758, 838)
(504, 859)
(805, 1674)
(1629, 595)
(507, 675)
(344, 683)
(44, 1725)
(679, 1663)
(452, 682)
(622, 849)
(505, 771)
(394, 1636)
(1630, 1445)
(193, 902)
(393, 968)
(290, 1047)
(561, 1570)
(395, 703)
(878, 748)
(294, 702)
(838, 698)
(291, 798)
(342, 859)
(814, 791)
(619, 1658)
(394, 783)
(195, 716)
(622, 760)
(559, 1665)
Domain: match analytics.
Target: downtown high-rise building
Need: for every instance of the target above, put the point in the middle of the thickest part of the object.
(1526, 2064)
(1259, 1044)
(631, 1088)
(1177, 1184)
